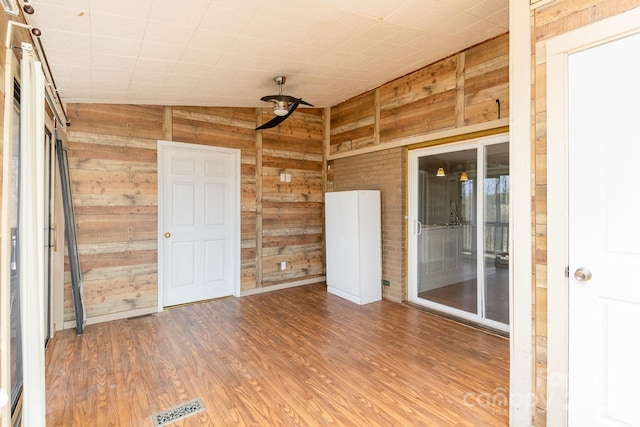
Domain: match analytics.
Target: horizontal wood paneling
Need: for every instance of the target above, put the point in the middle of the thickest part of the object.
(352, 123)
(112, 160)
(486, 79)
(133, 121)
(457, 91)
(113, 156)
(419, 102)
(292, 212)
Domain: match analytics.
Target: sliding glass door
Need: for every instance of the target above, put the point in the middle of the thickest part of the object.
(15, 344)
(459, 221)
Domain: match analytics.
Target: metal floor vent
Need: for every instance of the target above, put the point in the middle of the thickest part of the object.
(174, 414)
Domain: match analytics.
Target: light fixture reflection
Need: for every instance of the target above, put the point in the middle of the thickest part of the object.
(440, 172)
(464, 176)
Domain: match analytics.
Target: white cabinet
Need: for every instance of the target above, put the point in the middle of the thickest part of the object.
(353, 240)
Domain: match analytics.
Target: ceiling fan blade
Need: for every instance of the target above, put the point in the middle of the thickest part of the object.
(300, 101)
(286, 98)
(278, 119)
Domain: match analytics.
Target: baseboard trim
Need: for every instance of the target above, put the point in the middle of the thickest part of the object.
(70, 324)
(288, 285)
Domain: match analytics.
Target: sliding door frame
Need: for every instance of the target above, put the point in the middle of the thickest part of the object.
(415, 228)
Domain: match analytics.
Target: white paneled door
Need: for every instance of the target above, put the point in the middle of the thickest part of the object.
(604, 234)
(199, 240)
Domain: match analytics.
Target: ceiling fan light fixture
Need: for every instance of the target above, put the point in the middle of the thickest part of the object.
(280, 108)
(283, 105)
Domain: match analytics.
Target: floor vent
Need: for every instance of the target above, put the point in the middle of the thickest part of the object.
(174, 414)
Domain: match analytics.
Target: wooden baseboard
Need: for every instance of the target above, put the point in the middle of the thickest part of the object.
(283, 286)
(114, 316)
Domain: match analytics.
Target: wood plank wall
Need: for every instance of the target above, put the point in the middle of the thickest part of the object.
(457, 91)
(293, 212)
(113, 160)
(113, 167)
(452, 93)
(549, 20)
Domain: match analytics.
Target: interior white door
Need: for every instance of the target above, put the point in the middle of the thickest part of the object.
(199, 223)
(604, 234)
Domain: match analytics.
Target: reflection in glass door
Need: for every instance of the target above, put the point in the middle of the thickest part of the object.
(455, 266)
(496, 232)
(447, 262)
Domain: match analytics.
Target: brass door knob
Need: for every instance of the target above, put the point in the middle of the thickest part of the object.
(167, 234)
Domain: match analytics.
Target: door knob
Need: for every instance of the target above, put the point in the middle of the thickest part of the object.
(582, 274)
(167, 234)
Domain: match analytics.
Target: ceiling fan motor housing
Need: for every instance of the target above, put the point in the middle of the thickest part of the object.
(280, 108)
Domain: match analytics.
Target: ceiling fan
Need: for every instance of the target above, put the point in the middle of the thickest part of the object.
(283, 105)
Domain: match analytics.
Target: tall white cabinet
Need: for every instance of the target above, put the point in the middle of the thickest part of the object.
(353, 240)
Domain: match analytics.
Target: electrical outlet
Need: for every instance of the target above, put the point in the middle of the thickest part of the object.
(283, 265)
(283, 177)
(288, 177)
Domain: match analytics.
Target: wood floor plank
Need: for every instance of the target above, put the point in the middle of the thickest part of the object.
(299, 356)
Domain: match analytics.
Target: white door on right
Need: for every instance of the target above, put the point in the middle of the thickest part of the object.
(604, 234)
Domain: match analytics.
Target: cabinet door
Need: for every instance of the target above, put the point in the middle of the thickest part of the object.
(342, 241)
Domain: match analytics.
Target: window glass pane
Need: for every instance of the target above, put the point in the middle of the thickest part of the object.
(496, 232)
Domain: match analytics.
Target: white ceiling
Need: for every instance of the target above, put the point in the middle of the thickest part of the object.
(227, 52)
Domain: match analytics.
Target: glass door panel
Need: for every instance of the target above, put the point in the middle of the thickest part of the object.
(496, 232)
(447, 266)
(15, 345)
(459, 245)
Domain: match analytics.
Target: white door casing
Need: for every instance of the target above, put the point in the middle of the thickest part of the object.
(593, 144)
(198, 223)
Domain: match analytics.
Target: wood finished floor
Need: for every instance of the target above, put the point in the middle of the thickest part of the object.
(464, 295)
(298, 357)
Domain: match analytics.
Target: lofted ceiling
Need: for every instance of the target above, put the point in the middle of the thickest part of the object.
(227, 52)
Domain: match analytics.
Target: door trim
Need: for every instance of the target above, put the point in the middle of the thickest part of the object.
(161, 146)
(558, 50)
(521, 360)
